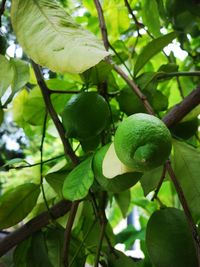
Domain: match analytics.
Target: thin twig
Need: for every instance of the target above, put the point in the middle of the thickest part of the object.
(82, 243)
(121, 60)
(41, 162)
(102, 24)
(177, 74)
(35, 164)
(100, 214)
(138, 24)
(186, 209)
(67, 234)
(101, 237)
(63, 92)
(135, 89)
(160, 183)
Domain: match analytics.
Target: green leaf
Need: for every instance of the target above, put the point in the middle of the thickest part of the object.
(123, 200)
(16, 204)
(151, 49)
(145, 79)
(56, 180)
(54, 242)
(21, 253)
(38, 254)
(169, 239)
(13, 162)
(53, 39)
(18, 107)
(79, 180)
(97, 74)
(150, 16)
(6, 74)
(129, 235)
(186, 167)
(150, 179)
(34, 107)
(76, 253)
(119, 259)
(21, 74)
(170, 67)
(156, 98)
(116, 16)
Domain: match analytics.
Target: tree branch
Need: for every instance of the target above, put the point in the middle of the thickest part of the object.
(47, 99)
(33, 226)
(160, 183)
(68, 152)
(67, 234)
(130, 82)
(183, 108)
(135, 89)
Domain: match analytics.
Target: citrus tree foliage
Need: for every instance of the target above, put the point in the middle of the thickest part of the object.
(70, 73)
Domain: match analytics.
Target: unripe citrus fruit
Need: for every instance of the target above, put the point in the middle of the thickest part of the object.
(85, 115)
(129, 103)
(142, 142)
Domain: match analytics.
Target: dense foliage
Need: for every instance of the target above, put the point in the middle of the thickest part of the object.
(70, 73)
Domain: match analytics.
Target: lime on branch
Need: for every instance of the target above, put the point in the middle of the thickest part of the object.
(85, 115)
(142, 142)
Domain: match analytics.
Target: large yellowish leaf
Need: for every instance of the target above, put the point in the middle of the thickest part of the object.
(51, 38)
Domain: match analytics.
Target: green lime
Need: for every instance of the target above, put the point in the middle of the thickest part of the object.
(129, 103)
(169, 239)
(1, 115)
(185, 129)
(116, 184)
(90, 144)
(85, 115)
(142, 142)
